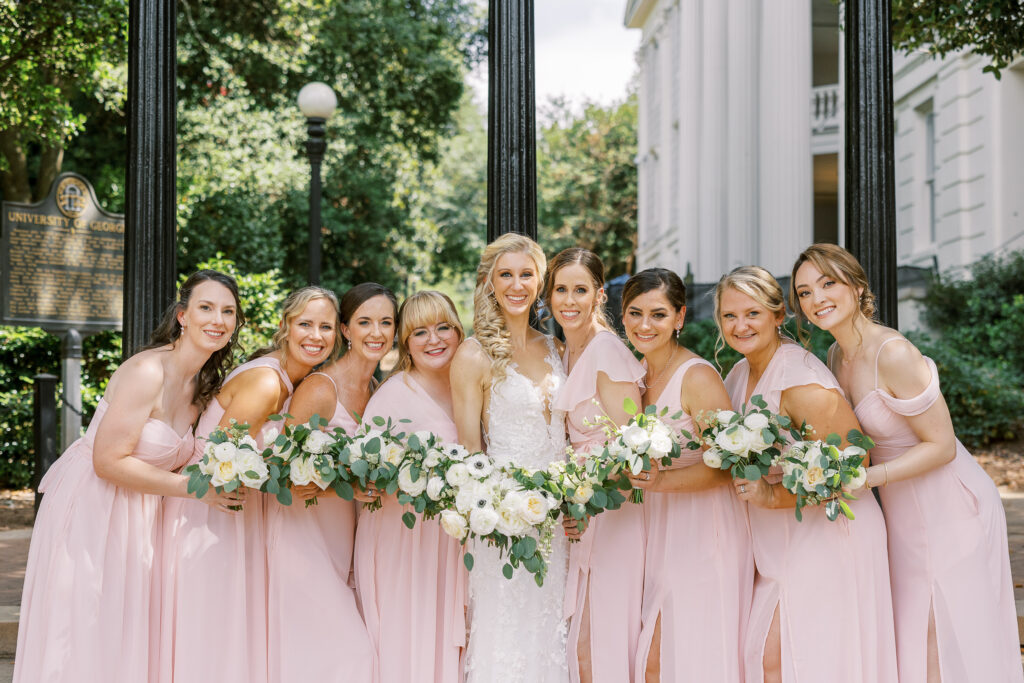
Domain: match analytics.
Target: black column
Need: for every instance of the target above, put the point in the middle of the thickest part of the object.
(511, 114)
(150, 198)
(870, 168)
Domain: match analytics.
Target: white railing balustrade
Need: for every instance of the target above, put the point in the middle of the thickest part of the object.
(826, 108)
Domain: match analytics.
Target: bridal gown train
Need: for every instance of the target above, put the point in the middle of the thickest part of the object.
(517, 633)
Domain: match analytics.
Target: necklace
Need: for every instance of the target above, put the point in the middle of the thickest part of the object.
(657, 378)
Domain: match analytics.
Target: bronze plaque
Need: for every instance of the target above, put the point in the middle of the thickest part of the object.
(62, 260)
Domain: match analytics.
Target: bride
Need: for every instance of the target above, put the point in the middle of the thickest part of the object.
(503, 379)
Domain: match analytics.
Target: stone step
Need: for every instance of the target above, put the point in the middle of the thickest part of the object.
(6, 670)
(8, 631)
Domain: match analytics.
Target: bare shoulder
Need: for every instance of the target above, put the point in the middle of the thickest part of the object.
(141, 376)
(701, 376)
(316, 387)
(902, 368)
(261, 380)
(470, 356)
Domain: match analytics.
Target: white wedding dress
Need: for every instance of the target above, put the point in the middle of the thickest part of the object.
(517, 632)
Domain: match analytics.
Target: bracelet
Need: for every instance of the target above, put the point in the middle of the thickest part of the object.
(885, 470)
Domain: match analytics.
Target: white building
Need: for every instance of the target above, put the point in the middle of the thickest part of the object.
(740, 152)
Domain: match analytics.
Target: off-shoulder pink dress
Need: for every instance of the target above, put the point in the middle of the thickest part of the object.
(947, 552)
(89, 606)
(829, 580)
(699, 573)
(315, 629)
(214, 587)
(606, 566)
(411, 582)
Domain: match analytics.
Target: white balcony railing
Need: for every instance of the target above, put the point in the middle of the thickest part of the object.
(826, 108)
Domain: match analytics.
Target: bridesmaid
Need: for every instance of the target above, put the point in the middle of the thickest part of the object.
(312, 608)
(699, 573)
(411, 582)
(822, 606)
(951, 586)
(215, 563)
(87, 610)
(606, 566)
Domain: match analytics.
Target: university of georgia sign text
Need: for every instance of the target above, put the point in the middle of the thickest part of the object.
(62, 261)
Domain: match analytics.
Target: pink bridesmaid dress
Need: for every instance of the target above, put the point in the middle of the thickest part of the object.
(411, 582)
(606, 566)
(699, 573)
(947, 552)
(315, 630)
(90, 603)
(829, 580)
(214, 605)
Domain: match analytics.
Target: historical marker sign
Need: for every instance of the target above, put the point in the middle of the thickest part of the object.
(62, 261)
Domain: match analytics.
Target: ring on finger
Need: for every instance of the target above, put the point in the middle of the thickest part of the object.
(743, 488)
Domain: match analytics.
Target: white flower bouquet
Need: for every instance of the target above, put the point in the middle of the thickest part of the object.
(586, 485)
(747, 442)
(373, 458)
(426, 474)
(304, 454)
(231, 459)
(819, 472)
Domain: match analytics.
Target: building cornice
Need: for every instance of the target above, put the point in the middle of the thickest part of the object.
(637, 12)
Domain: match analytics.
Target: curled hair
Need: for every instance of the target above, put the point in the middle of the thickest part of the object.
(292, 308)
(838, 264)
(169, 330)
(755, 282)
(359, 295)
(428, 307)
(594, 267)
(489, 326)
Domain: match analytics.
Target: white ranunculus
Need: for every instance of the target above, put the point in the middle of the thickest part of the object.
(432, 458)
(483, 520)
(270, 435)
(813, 476)
(756, 442)
(223, 472)
(247, 440)
(458, 475)
(480, 466)
(435, 487)
(860, 476)
(713, 458)
(636, 438)
(661, 444)
(582, 494)
(454, 524)
(208, 464)
(413, 487)
(250, 462)
(755, 422)
(392, 452)
(301, 471)
(533, 507)
(735, 440)
(225, 451)
(812, 454)
(723, 416)
(317, 442)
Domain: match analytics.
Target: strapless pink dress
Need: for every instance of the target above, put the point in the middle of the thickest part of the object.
(606, 566)
(947, 553)
(829, 580)
(699, 573)
(316, 631)
(89, 607)
(214, 593)
(411, 582)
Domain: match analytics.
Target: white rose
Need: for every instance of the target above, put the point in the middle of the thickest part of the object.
(208, 464)
(270, 434)
(583, 493)
(735, 440)
(483, 520)
(755, 422)
(301, 471)
(392, 452)
(435, 487)
(454, 524)
(224, 452)
(247, 440)
(317, 442)
(713, 458)
(860, 476)
(723, 416)
(250, 461)
(814, 475)
(424, 436)
(457, 475)
(413, 487)
(812, 454)
(533, 507)
(661, 444)
(480, 466)
(433, 458)
(616, 449)
(756, 442)
(223, 472)
(636, 438)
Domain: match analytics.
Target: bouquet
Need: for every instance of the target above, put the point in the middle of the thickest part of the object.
(304, 454)
(747, 442)
(230, 460)
(422, 475)
(373, 457)
(819, 472)
(586, 486)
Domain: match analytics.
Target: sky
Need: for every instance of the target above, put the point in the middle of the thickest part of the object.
(583, 51)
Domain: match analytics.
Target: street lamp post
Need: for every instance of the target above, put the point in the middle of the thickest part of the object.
(317, 102)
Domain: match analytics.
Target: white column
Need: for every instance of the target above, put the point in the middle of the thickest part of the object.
(713, 143)
(689, 110)
(785, 165)
(741, 246)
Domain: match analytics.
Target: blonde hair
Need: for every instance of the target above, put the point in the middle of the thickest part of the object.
(759, 285)
(292, 308)
(424, 308)
(488, 321)
(838, 264)
(594, 267)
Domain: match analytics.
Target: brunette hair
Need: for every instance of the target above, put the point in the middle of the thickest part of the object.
(655, 278)
(169, 330)
(359, 295)
(293, 306)
(419, 310)
(594, 266)
(838, 264)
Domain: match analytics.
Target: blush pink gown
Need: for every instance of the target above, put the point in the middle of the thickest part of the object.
(699, 573)
(315, 630)
(214, 604)
(829, 580)
(947, 552)
(90, 603)
(411, 582)
(606, 566)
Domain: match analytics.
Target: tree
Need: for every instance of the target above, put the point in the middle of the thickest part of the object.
(993, 29)
(587, 181)
(50, 54)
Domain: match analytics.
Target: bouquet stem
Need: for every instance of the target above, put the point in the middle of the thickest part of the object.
(636, 496)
